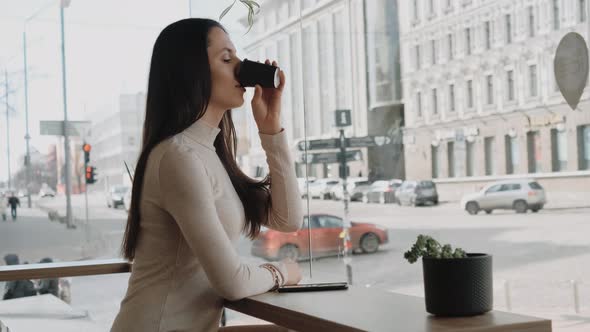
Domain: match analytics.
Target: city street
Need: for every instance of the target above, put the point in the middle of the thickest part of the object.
(537, 257)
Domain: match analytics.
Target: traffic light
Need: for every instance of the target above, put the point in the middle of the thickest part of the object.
(86, 147)
(90, 174)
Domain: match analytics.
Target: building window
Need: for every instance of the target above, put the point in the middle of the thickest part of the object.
(415, 10)
(558, 150)
(534, 151)
(533, 80)
(419, 104)
(468, 41)
(435, 156)
(434, 102)
(469, 158)
(417, 55)
(555, 14)
(450, 46)
(508, 22)
(488, 146)
(451, 158)
(531, 21)
(488, 34)
(433, 51)
(511, 144)
(582, 11)
(452, 97)
(431, 7)
(490, 89)
(510, 85)
(470, 94)
(583, 133)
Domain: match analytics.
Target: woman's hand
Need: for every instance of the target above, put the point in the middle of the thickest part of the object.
(293, 272)
(266, 106)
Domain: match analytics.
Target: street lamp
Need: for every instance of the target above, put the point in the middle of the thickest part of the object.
(27, 136)
(65, 4)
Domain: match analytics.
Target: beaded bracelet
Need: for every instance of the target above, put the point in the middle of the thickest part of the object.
(278, 277)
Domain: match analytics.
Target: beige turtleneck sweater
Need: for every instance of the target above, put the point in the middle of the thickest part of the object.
(191, 219)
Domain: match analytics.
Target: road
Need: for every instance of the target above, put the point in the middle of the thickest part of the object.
(537, 257)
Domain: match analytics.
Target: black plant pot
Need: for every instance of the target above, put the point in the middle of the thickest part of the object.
(458, 286)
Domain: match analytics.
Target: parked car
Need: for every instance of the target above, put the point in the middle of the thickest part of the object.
(46, 192)
(317, 189)
(115, 196)
(302, 183)
(351, 185)
(382, 191)
(519, 195)
(325, 237)
(417, 193)
(127, 200)
(359, 191)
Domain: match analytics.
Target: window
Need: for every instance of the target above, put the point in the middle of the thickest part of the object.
(431, 7)
(434, 102)
(469, 158)
(583, 133)
(490, 89)
(433, 51)
(582, 11)
(535, 186)
(531, 19)
(452, 97)
(488, 34)
(533, 81)
(510, 85)
(558, 150)
(417, 55)
(534, 151)
(488, 145)
(494, 189)
(419, 104)
(468, 41)
(508, 22)
(450, 46)
(469, 94)
(329, 222)
(435, 159)
(556, 14)
(451, 158)
(415, 13)
(511, 154)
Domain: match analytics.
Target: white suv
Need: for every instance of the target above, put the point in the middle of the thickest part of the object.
(518, 195)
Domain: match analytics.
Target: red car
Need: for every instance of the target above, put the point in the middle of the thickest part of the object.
(325, 239)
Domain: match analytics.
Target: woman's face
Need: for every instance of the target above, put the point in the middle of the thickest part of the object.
(226, 92)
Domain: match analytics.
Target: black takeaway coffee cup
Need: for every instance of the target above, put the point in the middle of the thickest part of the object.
(250, 73)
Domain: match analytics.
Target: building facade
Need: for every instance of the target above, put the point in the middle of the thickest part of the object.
(337, 54)
(115, 139)
(480, 97)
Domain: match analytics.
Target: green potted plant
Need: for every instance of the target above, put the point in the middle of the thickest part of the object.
(456, 283)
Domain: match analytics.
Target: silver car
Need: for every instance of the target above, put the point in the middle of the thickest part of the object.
(518, 195)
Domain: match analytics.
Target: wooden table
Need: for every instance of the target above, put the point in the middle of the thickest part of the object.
(366, 309)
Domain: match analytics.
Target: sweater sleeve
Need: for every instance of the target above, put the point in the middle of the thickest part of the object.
(286, 214)
(187, 195)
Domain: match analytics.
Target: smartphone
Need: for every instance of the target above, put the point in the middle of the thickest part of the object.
(321, 286)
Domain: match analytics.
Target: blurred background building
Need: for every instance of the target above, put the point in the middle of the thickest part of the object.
(115, 138)
(363, 76)
(480, 96)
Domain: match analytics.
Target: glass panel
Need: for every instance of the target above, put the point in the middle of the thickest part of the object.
(357, 56)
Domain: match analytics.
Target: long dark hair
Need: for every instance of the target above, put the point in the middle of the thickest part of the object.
(179, 90)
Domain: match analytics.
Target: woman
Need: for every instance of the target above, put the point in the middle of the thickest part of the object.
(190, 201)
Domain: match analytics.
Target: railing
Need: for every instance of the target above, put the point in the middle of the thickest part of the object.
(65, 269)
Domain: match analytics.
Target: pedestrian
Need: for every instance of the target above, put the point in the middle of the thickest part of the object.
(190, 200)
(17, 288)
(13, 202)
(51, 285)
